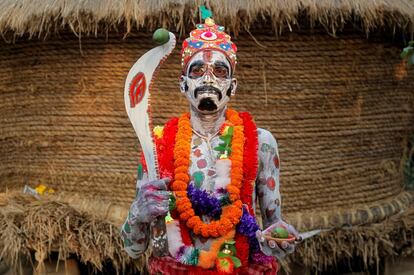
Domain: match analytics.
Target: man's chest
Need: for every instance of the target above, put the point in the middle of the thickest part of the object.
(203, 157)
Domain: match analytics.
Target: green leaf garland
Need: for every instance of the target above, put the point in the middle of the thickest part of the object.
(225, 147)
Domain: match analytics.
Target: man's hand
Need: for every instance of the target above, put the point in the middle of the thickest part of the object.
(152, 200)
(271, 248)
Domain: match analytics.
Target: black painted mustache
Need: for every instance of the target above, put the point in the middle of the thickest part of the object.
(208, 89)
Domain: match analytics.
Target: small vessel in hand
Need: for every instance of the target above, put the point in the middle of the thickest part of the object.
(280, 234)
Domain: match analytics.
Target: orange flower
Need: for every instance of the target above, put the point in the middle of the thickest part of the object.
(207, 258)
(231, 214)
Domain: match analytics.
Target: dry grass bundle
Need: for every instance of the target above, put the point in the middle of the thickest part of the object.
(41, 17)
(28, 225)
(393, 237)
(40, 227)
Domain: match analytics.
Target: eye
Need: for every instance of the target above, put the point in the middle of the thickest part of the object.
(197, 71)
(221, 71)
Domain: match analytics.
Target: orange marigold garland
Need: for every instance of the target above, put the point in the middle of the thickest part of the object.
(177, 162)
(231, 213)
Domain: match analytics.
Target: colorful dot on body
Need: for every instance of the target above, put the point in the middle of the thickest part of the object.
(197, 153)
(211, 173)
(198, 178)
(271, 183)
(276, 161)
(201, 163)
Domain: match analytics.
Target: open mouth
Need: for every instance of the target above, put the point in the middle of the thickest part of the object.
(207, 104)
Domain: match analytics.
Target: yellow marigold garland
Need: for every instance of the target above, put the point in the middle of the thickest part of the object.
(231, 213)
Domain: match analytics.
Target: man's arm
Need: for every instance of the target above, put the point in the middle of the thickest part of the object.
(267, 188)
(135, 234)
(267, 183)
(151, 201)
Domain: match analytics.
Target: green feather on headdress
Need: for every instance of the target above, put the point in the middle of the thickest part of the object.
(205, 13)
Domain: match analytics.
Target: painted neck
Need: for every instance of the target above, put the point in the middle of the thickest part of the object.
(207, 125)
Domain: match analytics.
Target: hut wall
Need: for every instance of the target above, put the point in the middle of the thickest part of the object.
(340, 108)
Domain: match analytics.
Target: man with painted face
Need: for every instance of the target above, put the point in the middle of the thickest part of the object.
(216, 165)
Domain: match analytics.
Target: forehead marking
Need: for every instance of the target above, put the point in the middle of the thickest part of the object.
(207, 56)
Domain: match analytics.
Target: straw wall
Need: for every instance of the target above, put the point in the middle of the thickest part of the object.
(341, 110)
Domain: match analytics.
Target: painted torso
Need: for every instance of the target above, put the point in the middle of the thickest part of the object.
(203, 169)
(202, 172)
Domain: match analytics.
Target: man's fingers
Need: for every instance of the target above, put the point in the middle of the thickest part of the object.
(275, 248)
(292, 230)
(259, 236)
(158, 196)
(272, 244)
(162, 183)
(156, 185)
(288, 247)
(161, 211)
(164, 204)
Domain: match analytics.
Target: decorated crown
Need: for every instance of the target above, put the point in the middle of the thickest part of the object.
(208, 36)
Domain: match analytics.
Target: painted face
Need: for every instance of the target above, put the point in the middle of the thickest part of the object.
(207, 81)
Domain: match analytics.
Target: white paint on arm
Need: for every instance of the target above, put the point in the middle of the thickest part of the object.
(267, 182)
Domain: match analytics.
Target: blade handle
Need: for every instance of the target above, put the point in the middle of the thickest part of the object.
(159, 237)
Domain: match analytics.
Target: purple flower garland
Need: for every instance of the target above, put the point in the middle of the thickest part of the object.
(248, 227)
(203, 203)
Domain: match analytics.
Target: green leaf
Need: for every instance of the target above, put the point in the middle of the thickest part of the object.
(168, 218)
(220, 148)
(411, 60)
(407, 51)
(225, 200)
(171, 202)
(230, 130)
(230, 242)
(222, 255)
(236, 261)
(233, 249)
(226, 139)
(404, 53)
(140, 171)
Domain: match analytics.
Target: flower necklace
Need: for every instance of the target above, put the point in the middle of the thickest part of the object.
(231, 213)
(243, 238)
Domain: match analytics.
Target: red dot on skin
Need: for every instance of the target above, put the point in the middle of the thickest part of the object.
(276, 161)
(270, 212)
(271, 183)
(197, 153)
(202, 163)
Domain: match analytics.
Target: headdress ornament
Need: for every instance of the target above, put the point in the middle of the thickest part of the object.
(208, 36)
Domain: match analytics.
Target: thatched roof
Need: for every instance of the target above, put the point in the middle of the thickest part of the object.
(38, 17)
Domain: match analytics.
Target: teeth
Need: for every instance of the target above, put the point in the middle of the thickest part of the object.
(208, 94)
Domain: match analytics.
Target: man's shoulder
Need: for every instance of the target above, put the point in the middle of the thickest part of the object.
(266, 139)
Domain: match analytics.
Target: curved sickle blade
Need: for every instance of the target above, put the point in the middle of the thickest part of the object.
(137, 99)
